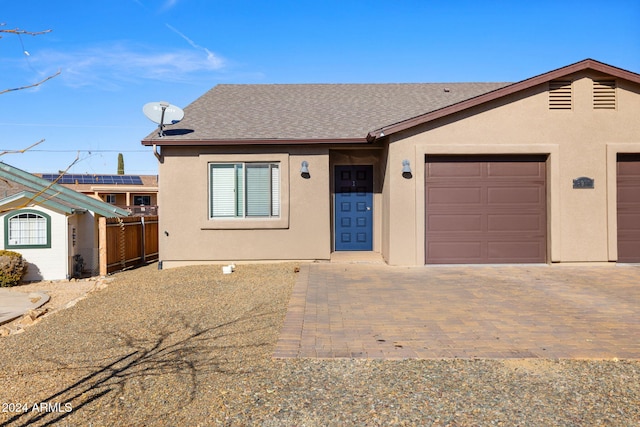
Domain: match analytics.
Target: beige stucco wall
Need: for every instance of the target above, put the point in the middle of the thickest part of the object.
(188, 236)
(580, 142)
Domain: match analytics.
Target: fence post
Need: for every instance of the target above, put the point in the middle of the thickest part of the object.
(123, 243)
(144, 241)
(102, 245)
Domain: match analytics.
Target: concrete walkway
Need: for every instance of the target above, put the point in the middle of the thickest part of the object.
(360, 309)
(14, 304)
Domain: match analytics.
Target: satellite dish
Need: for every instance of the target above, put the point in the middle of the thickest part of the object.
(163, 114)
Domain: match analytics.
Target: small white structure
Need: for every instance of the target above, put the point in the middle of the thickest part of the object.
(53, 227)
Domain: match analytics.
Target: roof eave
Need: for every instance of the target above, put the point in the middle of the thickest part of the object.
(38, 200)
(257, 141)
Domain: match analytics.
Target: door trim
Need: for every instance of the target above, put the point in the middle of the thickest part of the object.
(368, 245)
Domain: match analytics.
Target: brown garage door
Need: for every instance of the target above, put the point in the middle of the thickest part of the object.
(483, 209)
(628, 207)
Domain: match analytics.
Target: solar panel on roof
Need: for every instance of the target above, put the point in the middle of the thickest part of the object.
(94, 179)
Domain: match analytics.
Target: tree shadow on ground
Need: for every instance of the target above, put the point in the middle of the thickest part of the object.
(181, 349)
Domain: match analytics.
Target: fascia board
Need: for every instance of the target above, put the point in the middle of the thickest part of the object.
(37, 200)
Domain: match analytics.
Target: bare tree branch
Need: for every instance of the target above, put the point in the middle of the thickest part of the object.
(30, 86)
(19, 31)
(23, 150)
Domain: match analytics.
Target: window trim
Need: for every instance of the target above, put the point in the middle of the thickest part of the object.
(7, 221)
(257, 223)
(242, 202)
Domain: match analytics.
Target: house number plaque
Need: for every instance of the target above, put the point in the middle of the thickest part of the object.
(583, 182)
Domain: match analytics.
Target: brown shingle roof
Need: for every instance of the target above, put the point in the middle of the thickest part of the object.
(337, 112)
(311, 111)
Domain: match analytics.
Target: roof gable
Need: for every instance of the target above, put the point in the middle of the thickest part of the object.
(587, 64)
(45, 190)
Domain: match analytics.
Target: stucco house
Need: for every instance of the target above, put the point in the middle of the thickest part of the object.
(54, 228)
(545, 170)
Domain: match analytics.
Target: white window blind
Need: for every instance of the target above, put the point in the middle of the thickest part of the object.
(275, 190)
(223, 192)
(258, 190)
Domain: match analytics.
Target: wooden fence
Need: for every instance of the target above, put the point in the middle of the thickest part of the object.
(128, 241)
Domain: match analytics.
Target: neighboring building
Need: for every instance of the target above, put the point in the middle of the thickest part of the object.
(137, 194)
(545, 170)
(54, 228)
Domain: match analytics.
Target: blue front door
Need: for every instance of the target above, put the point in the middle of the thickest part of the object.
(353, 208)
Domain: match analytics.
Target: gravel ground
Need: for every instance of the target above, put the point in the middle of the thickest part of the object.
(192, 347)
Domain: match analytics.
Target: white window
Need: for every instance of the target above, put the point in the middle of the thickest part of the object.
(27, 230)
(244, 190)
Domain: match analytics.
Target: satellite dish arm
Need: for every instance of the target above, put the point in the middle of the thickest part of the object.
(164, 106)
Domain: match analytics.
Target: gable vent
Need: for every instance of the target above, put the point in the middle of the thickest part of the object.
(604, 94)
(560, 95)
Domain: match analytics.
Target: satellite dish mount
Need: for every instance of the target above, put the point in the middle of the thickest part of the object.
(164, 105)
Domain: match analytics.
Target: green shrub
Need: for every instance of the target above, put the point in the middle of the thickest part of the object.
(12, 268)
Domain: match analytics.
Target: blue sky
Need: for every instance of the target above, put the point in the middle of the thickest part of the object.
(115, 56)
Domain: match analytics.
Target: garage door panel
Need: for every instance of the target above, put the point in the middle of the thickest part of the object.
(525, 194)
(485, 211)
(628, 249)
(628, 194)
(628, 222)
(447, 223)
(446, 170)
(629, 165)
(516, 251)
(513, 169)
(459, 195)
(520, 223)
(460, 252)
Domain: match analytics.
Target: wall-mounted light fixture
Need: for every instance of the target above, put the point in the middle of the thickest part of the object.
(406, 169)
(304, 170)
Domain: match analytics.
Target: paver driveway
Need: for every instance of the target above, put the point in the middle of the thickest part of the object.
(377, 311)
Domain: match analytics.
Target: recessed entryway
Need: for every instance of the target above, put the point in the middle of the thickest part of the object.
(353, 208)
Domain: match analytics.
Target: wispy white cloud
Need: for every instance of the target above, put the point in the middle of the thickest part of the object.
(168, 4)
(112, 65)
(211, 57)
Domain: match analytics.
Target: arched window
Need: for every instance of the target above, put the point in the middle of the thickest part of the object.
(27, 229)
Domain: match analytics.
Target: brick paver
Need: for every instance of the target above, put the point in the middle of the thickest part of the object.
(355, 310)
